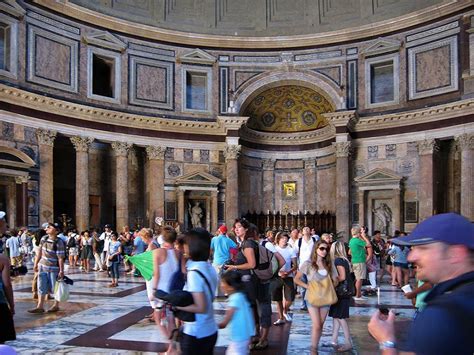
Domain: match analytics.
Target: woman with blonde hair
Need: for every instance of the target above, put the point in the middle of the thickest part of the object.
(340, 311)
(318, 268)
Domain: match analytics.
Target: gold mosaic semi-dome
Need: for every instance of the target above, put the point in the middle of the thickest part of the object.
(289, 108)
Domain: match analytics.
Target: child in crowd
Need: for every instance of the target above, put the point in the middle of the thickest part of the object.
(239, 314)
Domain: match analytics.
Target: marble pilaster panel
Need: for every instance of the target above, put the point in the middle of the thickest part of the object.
(310, 184)
(466, 146)
(342, 188)
(268, 166)
(121, 150)
(426, 185)
(180, 198)
(46, 144)
(232, 153)
(82, 144)
(213, 211)
(156, 175)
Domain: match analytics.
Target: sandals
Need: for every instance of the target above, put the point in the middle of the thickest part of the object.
(343, 349)
(36, 310)
(53, 310)
(261, 345)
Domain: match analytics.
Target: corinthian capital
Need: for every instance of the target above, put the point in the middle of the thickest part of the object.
(23, 179)
(427, 146)
(232, 151)
(45, 137)
(121, 148)
(465, 141)
(81, 144)
(343, 149)
(156, 152)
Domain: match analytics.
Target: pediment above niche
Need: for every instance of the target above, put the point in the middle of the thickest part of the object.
(382, 46)
(197, 56)
(379, 179)
(11, 7)
(104, 39)
(198, 178)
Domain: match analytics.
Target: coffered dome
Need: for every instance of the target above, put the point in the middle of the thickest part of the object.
(288, 108)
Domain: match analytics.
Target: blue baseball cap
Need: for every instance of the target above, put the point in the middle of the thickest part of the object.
(449, 228)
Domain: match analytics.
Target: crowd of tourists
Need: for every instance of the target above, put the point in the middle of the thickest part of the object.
(251, 269)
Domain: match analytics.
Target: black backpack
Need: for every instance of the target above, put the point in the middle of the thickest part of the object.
(71, 243)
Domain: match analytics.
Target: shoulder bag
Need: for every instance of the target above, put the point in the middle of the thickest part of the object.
(321, 293)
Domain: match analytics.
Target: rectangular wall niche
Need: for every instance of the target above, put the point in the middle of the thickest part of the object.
(382, 81)
(4, 46)
(197, 84)
(103, 75)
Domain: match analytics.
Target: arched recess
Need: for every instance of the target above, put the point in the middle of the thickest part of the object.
(309, 79)
(17, 158)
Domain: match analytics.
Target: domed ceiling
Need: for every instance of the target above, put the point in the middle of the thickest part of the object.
(287, 109)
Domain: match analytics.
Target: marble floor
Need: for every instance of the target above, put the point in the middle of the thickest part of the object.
(97, 319)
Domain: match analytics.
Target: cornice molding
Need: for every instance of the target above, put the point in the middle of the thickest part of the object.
(88, 113)
(13, 8)
(426, 115)
(201, 40)
(270, 138)
(347, 119)
(104, 39)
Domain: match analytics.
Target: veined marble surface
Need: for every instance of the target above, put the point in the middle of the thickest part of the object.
(111, 310)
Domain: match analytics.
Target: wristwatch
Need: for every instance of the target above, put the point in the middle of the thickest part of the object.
(387, 345)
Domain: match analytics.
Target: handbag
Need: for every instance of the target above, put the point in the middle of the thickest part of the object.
(321, 293)
(345, 289)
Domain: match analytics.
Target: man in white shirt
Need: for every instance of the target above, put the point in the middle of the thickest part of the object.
(304, 247)
(294, 237)
(105, 236)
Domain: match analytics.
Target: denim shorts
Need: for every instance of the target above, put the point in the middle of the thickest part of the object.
(46, 281)
(402, 265)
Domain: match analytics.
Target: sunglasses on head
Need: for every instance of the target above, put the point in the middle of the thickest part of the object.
(323, 249)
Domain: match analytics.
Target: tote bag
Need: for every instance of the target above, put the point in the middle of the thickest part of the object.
(321, 293)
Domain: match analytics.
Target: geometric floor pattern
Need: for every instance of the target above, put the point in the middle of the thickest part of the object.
(101, 320)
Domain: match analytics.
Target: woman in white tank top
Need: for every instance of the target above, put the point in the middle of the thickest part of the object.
(165, 264)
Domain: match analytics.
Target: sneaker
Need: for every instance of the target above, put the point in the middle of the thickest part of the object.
(279, 322)
(288, 317)
(53, 309)
(361, 298)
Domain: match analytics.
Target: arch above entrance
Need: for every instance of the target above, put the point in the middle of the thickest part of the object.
(309, 79)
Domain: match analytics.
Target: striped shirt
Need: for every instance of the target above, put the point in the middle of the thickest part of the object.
(51, 251)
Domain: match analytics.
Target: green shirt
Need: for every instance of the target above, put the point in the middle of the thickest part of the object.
(357, 247)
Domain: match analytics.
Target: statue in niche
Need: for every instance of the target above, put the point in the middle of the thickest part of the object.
(383, 215)
(196, 214)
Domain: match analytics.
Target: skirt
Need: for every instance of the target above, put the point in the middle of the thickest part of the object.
(86, 252)
(6, 320)
(340, 310)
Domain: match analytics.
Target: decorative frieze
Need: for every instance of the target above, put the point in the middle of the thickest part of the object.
(121, 148)
(81, 144)
(232, 151)
(46, 137)
(155, 152)
(343, 149)
(465, 141)
(428, 146)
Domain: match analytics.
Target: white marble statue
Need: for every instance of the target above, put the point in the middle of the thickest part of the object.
(383, 213)
(196, 214)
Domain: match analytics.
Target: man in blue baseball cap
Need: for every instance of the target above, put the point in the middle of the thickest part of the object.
(443, 251)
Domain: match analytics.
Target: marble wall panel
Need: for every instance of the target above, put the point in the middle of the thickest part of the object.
(191, 168)
(294, 204)
(151, 83)
(179, 154)
(173, 170)
(289, 164)
(382, 164)
(241, 76)
(254, 162)
(326, 189)
(328, 159)
(214, 156)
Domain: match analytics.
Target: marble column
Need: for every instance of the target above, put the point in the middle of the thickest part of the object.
(121, 153)
(46, 188)
(310, 184)
(426, 185)
(21, 200)
(397, 211)
(156, 178)
(214, 225)
(362, 208)
(268, 166)
(466, 147)
(82, 144)
(231, 154)
(180, 198)
(342, 188)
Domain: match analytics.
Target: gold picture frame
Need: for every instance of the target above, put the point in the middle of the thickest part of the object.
(289, 191)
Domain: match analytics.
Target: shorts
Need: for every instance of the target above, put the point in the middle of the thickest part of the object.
(46, 281)
(360, 271)
(402, 265)
(283, 286)
(238, 347)
(16, 261)
(73, 251)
